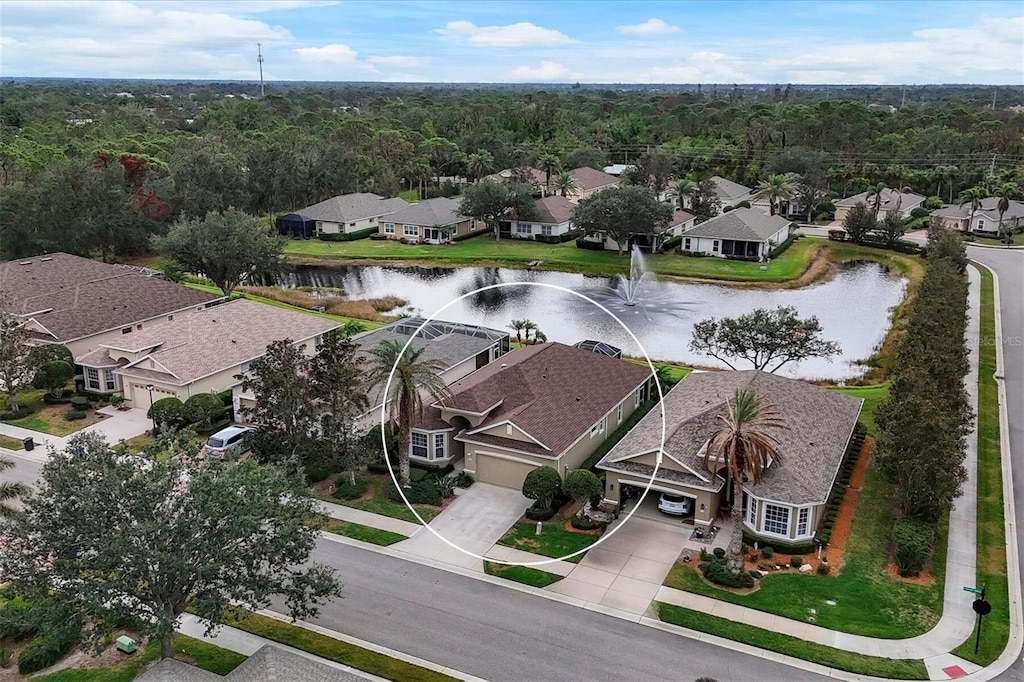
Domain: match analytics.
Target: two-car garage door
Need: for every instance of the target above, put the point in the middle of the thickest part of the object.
(508, 473)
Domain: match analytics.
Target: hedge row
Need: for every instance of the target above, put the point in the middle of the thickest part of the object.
(471, 234)
(558, 238)
(717, 571)
(781, 248)
(347, 236)
(582, 243)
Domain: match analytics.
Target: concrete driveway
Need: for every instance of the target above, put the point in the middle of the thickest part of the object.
(626, 570)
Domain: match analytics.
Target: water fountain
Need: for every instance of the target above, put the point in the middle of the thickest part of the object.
(628, 288)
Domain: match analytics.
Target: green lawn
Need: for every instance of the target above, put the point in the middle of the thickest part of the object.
(337, 650)
(44, 418)
(873, 396)
(205, 655)
(522, 574)
(483, 251)
(1018, 240)
(380, 504)
(903, 669)
(554, 541)
(11, 443)
(991, 524)
(410, 195)
(358, 531)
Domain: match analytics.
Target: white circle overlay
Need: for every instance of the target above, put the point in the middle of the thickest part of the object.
(384, 421)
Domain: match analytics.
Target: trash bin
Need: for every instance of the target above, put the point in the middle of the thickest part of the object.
(126, 644)
(29, 444)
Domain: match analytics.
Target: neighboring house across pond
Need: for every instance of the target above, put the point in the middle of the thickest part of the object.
(985, 219)
(589, 181)
(903, 202)
(730, 193)
(546, 404)
(789, 502)
(742, 232)
(432, 221)
(83, 303)
(680, 223)
(554, 218)
(203, 352)
(532, 176)
(342, 214)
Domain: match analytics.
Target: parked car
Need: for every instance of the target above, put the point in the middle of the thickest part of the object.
(232, 440)
(677, 505)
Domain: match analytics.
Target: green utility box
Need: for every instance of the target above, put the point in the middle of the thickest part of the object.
(127, 644)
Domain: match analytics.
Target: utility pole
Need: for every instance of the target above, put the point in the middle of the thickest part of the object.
(903, 102)
(259, 58)
(994, 91)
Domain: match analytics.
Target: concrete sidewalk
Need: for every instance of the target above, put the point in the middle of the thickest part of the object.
(118, 425)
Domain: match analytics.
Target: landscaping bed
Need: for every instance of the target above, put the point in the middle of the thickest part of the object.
(51, 418)
(557, 539)
(527, 575)
(376, 500)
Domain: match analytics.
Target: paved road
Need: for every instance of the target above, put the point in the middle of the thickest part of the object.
(26, 468)
(501, 634)
(1009, 266)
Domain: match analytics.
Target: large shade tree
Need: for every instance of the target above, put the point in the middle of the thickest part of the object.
(491, 201)
(125, 538)
(17, 366)
(745, 444)
(620, 213)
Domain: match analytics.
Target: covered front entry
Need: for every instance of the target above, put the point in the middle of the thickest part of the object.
(509, 473)
(434, 235)
(735, 247)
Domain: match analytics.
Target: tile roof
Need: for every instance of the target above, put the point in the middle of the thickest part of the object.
(820, 423)
(889, 196)
(727, 190)
(353, 207)
(218, 338)
(430, 212)
(748, 224)
(551, 391)
(86, 297)
(554, 210)
(591, 178)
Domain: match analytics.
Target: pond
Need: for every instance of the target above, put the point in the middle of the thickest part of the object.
(854, 306)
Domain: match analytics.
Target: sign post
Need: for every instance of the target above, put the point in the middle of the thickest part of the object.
(982, 608)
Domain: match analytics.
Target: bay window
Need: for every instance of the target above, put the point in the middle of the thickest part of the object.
(418, 441)
(776, 520)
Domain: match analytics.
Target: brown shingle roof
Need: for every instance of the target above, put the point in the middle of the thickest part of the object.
(591, 178)
(554, 210)
(551, 391)
(220, 337)
(84, 297)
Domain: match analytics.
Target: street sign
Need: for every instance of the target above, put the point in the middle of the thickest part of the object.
(973, 590)
(982, 607)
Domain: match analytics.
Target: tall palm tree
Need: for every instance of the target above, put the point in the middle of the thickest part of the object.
(682, 190)
(565, 184)
(414, 379)
(776, 189)
(519, 326)
(9, 491)
(1005, 192)
(875, 197)
(480, 164)
(900, 191)
(528, 327)
(745, 445)
(548, 163)
(973, 197)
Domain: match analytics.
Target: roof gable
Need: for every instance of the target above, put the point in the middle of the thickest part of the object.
(890, 197)
(430, 212)
(590, 178)
(729, 190)
(352, 207)
(747, 224)
(554, 210)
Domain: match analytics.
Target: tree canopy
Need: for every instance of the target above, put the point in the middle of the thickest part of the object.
(621, 213)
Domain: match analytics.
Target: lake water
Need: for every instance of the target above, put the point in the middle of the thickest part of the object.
(854, 307)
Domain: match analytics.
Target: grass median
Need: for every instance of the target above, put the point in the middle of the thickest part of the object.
(521, 574)
(358, 531)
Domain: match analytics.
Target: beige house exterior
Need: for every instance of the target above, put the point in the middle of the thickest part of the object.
(346, 213)
(204, 352)
(892, 202)
(589, 181)
(789, 502)
(432, 221)
(547, 404)
(984, 219)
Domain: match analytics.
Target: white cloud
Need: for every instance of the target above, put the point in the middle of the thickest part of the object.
(404, 61)
(513, 35)
(649, 28)
(545, 71)
(335, 54)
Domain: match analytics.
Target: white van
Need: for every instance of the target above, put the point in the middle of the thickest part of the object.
(232, 440)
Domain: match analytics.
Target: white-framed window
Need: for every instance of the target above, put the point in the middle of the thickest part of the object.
(638, 397)
(508, 429)
(523, 228)
(418, 441)
(546, 230)
(776, 519)
(108, 379)
(126, 330)
(802, 518)
(319, 226)
(752, 511)
(714, 246)
(439, 442)
(598, 428)
(389, 228)
(411, 230)
(246, 366)
(618, 414)
(92, 378)
(981, 224)
(686, 244)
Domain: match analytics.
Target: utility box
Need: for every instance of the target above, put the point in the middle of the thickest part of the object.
(126, 644)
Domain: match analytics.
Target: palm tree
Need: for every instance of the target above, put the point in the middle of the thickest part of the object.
(10, 491)
(1005, 192)
(565, 184)
(548, 163)
(875, 198)
(776, 189)
(412, 379)
(480, 164)
(528, 326)
(900, 191)
(519, 326)
(682, 190)
(746, 447)
(972, 196)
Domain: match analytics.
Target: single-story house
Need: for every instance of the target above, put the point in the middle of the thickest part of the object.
(343, 214)
(546, 404)
(83, 303)
(554, 218)
(590, 180)
(681, 222)
(902, 202)
(432, 221)
(202, 352)
(743, 232)
(730, 193)
(789, 502)
(269, 663)
(533, 176)
(985, 219)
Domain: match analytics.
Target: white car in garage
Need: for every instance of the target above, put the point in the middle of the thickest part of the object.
(677, 505)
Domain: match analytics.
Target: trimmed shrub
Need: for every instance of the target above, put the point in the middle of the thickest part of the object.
(912, 543)
(80, 401)
(767, 552)
(582, 243)
(543, 485)
(779, 249)
(74, 415)
(535, 513)
(583, 523)
(582, 485)
(919, 212)
(344, 490)
(421, 492)
(22, 411)
(717, 571)
(471, 234)
(378, 237)
(417, 474)
(824, 569)
(50, 400)
(317, 472)
(719, 552)
(796, 561)
(203, 407)
(558, 238)
(169, 410)
(349, 237)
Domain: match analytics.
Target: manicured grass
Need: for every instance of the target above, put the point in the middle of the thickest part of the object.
(522, 574)
(873, 397)
(991, 524)
(380, 504)
(48, 418)
(206, 656)
(358, 531)
(484, 251)
(410, 195)
(1018, 240)
(904, 669)
(11, 443)
(136, 444)
(336, 650)
(554, 541)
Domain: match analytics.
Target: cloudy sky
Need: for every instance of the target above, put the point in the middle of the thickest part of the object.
(638, 41)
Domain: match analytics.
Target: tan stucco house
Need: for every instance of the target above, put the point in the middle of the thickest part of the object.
(83, 303)
(432, 221)
(742, 232)
(892, 201)
(790, 500)
(985, 219)
(554, 218)
(547, 404)
(342, 214)
(589, 181)
(203, 352)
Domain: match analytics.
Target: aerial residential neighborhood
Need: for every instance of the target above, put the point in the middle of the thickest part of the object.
(526, 342)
